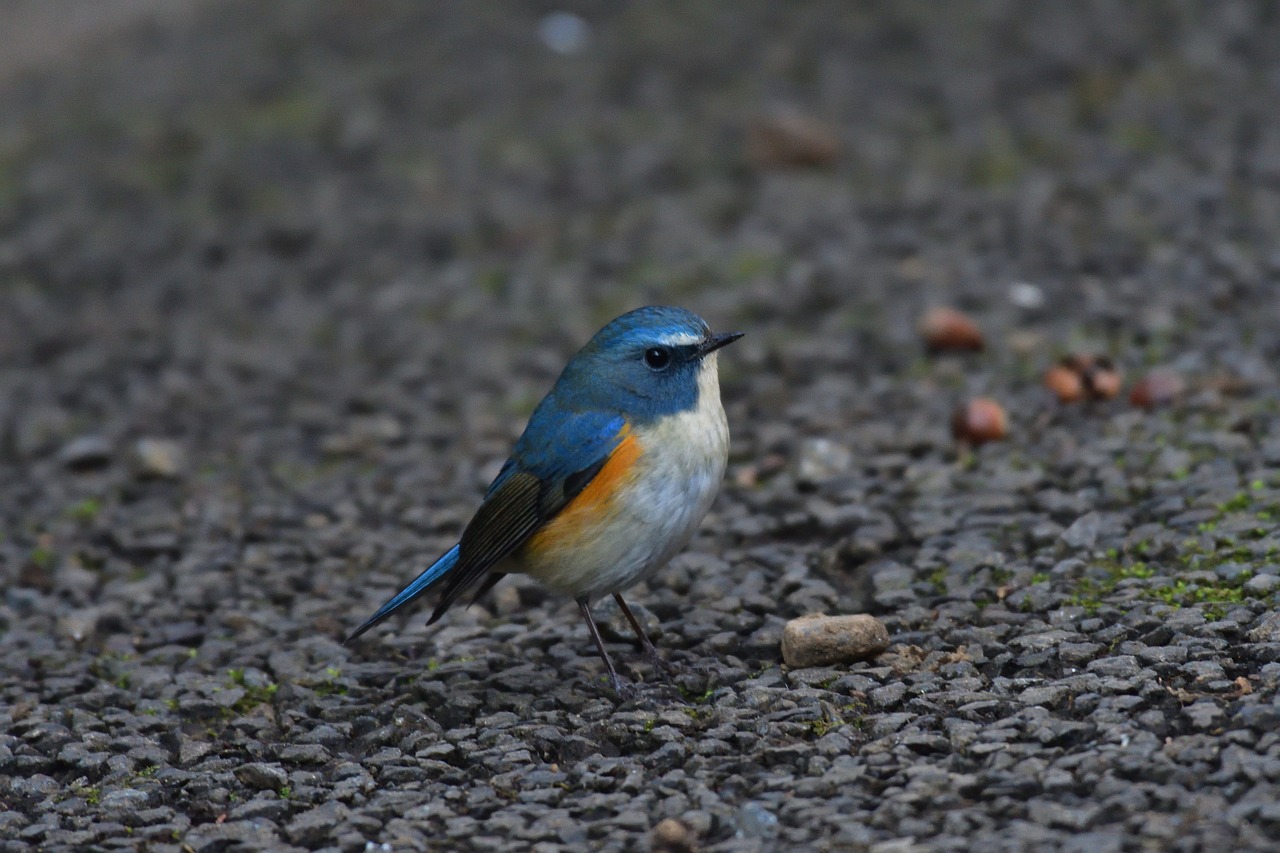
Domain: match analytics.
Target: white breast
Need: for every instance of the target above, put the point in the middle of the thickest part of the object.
(682, 463)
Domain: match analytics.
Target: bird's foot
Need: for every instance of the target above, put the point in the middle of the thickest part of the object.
(626, 690)
(668, 670)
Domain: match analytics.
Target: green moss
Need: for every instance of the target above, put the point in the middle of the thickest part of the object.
(1238, 503)
(938, 580)
(85, 510)
(697, 714)
(1172, 586)
(850, 714)
(42, 557)
(254, 694)
(1090, 591)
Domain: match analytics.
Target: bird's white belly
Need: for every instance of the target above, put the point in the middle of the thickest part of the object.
(655, 513)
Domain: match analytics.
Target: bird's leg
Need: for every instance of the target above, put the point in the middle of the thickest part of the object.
(623, 690)
(640, 632)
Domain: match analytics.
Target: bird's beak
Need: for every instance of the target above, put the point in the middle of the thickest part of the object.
(714, 342)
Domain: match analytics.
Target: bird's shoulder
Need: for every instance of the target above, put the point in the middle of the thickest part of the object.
(562, 439)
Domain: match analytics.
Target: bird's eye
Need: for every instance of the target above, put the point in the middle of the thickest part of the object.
(657, 358)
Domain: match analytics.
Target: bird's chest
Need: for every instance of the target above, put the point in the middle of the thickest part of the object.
(650, 515)
(681, 466)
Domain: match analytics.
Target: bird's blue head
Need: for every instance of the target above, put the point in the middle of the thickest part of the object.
(648, 363)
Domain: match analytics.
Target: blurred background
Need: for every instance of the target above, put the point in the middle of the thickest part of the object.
(387, 184)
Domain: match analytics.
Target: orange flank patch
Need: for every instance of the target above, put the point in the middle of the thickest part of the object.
(592, 504)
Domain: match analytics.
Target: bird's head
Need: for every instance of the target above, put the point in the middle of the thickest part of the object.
(647, 363)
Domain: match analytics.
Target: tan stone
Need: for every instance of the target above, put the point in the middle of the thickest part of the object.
(821, 640)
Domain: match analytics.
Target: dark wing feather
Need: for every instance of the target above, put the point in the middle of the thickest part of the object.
(550, 502)
(503, 522)
(489, 582)
(560, 453)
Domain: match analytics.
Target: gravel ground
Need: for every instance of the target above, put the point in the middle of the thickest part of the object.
(279, 284)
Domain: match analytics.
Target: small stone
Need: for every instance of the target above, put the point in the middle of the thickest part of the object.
(756, 822)
(1204, 714)
(1157, 388)
(190, 751)
(124, 798)
(821, 459)
(85, 453)
(157, 457)
(1262, 584)
(363, 434)
(314, 827)
(79, 624)
(979, 421)
(1267, 630)
(945, 329)
(1099, 378)
(263, 777)
(789, 138)
(673, 836)
(1065, 383)
(1027, 296)
(564, 32)
(1083, 532)
(821, 640)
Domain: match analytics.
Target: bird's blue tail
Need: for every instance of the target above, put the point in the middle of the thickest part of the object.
(438, 570)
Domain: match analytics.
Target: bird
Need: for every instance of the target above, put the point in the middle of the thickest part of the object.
(613, 474)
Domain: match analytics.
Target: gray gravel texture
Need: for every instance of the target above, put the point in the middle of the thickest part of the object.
(321, 259)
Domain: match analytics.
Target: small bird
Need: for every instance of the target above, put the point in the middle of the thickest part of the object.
(615, 470)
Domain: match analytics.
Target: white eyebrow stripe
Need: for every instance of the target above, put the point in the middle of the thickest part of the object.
(682, 339)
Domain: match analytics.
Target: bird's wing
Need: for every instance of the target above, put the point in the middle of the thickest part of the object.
(558, 455)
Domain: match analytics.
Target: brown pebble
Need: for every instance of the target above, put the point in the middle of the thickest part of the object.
(673, 836)
(791, 138)
(821, 640)
(1157, 388)
(1065, 383)
(948, 330)
(1099, 375)
(1103, 382)
(978, 421)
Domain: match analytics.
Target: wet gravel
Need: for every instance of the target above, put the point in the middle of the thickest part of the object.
(280, 283)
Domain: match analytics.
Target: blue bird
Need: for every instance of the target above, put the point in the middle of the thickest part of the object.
(615, 470)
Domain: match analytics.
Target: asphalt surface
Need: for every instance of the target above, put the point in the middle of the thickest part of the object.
(279, 284)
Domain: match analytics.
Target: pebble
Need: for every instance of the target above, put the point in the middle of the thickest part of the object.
(313, 827)
(821, 640)
(787, 137)
(262, 777)
(673, 836)
(1083, 532)
(158, 457)
(86, 453)
(820, 459)
(1262, 584)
